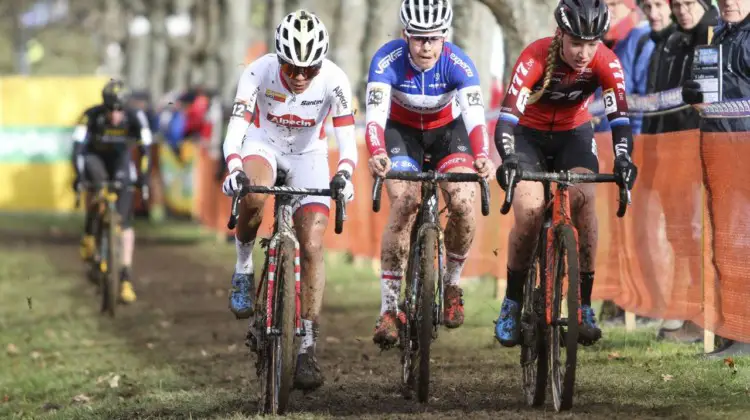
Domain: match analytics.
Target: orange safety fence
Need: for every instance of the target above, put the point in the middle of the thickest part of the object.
(682, 251)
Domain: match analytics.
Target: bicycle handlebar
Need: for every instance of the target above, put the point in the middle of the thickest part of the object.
(256, 189)
(565, 177)
(432, 176)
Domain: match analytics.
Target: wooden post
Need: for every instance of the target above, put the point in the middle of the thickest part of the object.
(629, 321)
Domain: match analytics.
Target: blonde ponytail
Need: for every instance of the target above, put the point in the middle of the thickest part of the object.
(552, 53)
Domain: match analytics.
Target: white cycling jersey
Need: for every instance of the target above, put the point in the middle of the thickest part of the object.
(266, 109)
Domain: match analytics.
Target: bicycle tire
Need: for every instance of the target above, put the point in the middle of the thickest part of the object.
(284, 316)
(111, 274)
(260, 346)
(563, 382)
(425, 312)
(534, 364)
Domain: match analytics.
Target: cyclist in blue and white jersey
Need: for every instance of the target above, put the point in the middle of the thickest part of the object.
(424, 111)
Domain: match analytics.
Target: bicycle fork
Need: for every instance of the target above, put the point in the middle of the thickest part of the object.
(274, 250)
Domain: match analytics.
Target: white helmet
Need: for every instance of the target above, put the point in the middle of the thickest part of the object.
(301, 39)
(426, 15)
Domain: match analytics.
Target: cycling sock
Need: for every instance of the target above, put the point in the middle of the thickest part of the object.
(125, 273)
(587, 285)
(516, 280)
(244, 256)
(310, 337)
(390, 290)
(454, 268)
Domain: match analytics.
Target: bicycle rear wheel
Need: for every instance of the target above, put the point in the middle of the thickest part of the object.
(564, 334)
(280, 346)
(425, 312)
(533, 341)
(111, 263)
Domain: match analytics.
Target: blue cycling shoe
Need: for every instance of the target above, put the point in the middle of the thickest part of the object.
(508, 324)
(588, 332)
(241, 295)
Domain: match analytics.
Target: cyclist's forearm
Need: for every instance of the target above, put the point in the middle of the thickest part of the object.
(233, 141)
(376, 115)
(79, 161)
(344, 130)
(472, 111)
(504, 139)
(622, 136)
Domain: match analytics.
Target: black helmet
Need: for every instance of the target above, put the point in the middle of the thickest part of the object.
(114, 94)
(584, 19)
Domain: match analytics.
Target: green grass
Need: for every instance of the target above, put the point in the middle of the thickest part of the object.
(62, 348)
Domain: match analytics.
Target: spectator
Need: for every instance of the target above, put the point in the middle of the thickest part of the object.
(733, 34)
(672, 59)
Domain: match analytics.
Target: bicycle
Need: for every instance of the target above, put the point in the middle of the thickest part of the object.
(277, 300)
(423, 314)
(543, 327)
(104, 266)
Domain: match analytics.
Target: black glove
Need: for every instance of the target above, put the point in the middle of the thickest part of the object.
(503, 174)
(338, 182)
(691, 92)
(76, 182)
(625, 171)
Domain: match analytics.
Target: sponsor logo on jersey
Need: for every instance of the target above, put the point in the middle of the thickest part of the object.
(372, 131)
(452, 162)
(276, 96)
(375, 96)
(461, 63)
(315, 102)
(340, 95)
(386, 61)
(438, 85)
(474, 98)
(289, 120)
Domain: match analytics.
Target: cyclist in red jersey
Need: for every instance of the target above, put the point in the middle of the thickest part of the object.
(545, 116)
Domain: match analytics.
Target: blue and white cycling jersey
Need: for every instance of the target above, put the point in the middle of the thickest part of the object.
(399, 91)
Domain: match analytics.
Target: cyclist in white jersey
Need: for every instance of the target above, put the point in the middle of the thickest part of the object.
(424, 111)
(277, 123)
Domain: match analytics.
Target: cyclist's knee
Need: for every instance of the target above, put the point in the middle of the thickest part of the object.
(404, 208)
(311, 221)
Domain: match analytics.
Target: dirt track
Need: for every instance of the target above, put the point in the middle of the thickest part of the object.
(181, 319)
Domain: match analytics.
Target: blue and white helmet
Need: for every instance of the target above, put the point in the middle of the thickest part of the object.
(422, 16)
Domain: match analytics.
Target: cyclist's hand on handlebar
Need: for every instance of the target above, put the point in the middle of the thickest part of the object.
(342, 182)
(483, 166)
(233, 182)
(379, 165)
(625, 171)
(505, 172)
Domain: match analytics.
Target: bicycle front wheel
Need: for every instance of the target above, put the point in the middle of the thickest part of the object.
(533, 341)
(111, 266)
(564, 333)
(281, 364)
(425, 313)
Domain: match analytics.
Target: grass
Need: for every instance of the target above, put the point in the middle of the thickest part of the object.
(60, 359)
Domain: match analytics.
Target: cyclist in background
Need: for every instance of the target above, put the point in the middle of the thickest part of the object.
(277, 123)
(102, 151)
(545, 114)
(424, 111)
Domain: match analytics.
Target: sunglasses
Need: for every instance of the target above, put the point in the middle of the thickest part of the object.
(291, 71)
(424, 39)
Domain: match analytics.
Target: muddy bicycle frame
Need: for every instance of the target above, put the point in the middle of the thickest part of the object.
(426, 229)
(541, 317)
(275, 344)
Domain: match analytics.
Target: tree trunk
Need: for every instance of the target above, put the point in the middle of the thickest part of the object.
(347, 38)
(523, 21)
(235, 44)
(138, 48)
(382, 25)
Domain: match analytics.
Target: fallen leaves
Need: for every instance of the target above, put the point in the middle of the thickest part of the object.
(81, 399)
(666, 377)
(333, 340)
(111, 379)
(614, 356)
(729, 362)
(35, 355)
(12, 350)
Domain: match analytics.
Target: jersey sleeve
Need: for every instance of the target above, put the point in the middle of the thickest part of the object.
(343, 120)
(612, 80)
(380, 79)
(80, 132)
(242, 112)
(527, 71)
(465, 79)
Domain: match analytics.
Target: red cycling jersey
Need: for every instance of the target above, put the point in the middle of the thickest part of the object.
(564, 105)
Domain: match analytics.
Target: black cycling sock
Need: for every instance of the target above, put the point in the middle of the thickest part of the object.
(587, 285)
(516, 281)
(125, 273)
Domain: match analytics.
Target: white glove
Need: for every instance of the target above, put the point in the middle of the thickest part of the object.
(231, 184)
(348, 191)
